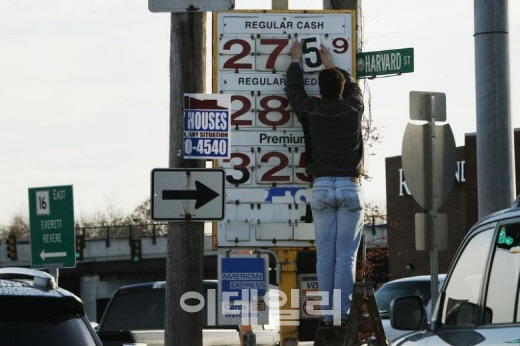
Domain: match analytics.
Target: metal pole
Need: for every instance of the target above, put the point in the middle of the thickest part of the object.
(432, 212)
(495, 149)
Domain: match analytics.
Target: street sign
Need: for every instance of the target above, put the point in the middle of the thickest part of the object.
(385, 62)
(207, 120)
(415, 162)
(243, 283)
(51, 212)
(190, 5)
(187, 194)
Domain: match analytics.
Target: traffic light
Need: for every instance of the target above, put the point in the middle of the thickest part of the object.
(80, 242)
(136, 253)
(11, 248)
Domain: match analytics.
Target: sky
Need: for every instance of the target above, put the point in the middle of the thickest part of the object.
(84, 91)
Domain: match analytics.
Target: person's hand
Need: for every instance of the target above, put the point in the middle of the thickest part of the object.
(326, 58)
(296, 50)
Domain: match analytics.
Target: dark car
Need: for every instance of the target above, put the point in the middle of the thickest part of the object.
(135, 315)
(411, 286)
(479, 301)
(37, 312)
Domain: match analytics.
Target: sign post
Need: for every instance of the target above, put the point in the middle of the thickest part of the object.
(429, 163)
(51, 212)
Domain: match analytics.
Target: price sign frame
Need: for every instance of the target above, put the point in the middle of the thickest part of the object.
(251, 54)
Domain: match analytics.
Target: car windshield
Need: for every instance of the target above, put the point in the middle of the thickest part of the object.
(135, 310)
(29, 321)
(392, 290)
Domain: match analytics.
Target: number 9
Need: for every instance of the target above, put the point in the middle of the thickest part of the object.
(340, 45)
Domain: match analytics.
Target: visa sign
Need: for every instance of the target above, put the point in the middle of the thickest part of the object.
(308, 284)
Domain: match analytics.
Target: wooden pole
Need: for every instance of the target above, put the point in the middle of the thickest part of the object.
(185, 256)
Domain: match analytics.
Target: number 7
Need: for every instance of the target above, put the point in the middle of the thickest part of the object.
(280, 44)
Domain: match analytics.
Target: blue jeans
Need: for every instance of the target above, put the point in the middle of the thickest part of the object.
(337, 209)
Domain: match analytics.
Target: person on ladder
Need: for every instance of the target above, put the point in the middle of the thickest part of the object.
(334, 149)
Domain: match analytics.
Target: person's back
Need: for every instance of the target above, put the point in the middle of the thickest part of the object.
(334, 148)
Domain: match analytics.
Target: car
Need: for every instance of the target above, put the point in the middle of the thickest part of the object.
(135, 315)
(479, 302)
(415, 285)
(37, 312)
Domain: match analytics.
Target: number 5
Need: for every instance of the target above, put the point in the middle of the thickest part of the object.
(311, 53)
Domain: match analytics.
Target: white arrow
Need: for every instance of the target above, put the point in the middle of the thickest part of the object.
(44, 255)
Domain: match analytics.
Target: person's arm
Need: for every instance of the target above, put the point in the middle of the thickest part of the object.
(326, 58)
(294, 86)
(352, 92)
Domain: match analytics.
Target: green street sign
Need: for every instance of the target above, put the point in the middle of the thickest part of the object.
(51, 212)
(384, 62)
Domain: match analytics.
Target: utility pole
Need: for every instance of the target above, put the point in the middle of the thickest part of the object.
(495, 149)
(184, 261)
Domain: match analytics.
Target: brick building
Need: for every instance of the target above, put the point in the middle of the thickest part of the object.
(460, 207)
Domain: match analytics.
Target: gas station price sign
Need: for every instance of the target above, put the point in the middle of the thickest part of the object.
(267, 190)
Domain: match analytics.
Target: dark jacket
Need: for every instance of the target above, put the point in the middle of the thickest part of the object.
(332, 127)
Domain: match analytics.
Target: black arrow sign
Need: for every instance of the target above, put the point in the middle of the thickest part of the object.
(202, 194)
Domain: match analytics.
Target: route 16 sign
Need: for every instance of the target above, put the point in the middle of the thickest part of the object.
(268, 192)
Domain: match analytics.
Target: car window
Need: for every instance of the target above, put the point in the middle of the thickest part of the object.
(28, 321)
(392, 290)
(463, 289)
(136, 310)
(503, 280)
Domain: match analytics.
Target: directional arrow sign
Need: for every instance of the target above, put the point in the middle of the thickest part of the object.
(202, 194)
(187, 194)
(44, 255)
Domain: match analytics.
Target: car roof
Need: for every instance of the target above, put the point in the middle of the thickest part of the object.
(512, 212)
(155, 285)
(416, 278)
(24, 282)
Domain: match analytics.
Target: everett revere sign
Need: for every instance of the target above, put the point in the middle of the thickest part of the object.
(51, 211)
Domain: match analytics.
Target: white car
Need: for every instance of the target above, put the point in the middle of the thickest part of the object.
(411, 286)
(479, 303)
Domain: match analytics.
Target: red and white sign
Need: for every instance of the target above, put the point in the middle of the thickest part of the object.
(267, 190)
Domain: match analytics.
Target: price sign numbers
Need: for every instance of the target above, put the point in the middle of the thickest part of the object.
(260, 110)
(236, 53)
(273, 53)
(242, 110)
(238, 168)
(338, 47)
(281, 166)
(274, 167)
(273, 110)
(311, 46)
